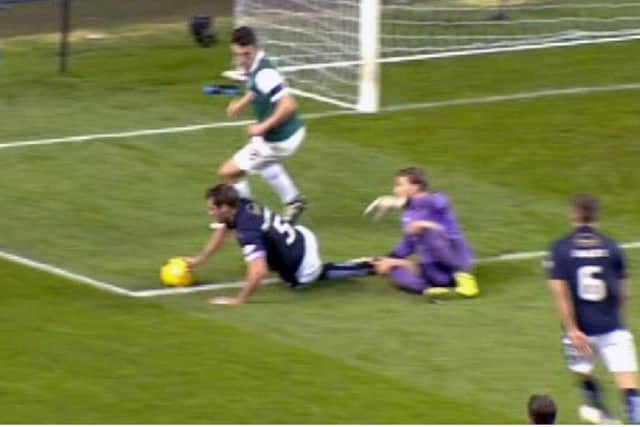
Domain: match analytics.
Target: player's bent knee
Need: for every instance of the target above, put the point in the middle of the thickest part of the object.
(224, 171)
(405, 279)
(411, 288)
(229, 172)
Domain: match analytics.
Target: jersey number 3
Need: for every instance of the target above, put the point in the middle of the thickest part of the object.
(591, 288)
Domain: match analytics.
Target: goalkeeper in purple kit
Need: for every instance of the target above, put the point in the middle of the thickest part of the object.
(432, 234)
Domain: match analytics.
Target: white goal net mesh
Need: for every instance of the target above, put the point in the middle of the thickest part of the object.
(302, 34)
(318, 42)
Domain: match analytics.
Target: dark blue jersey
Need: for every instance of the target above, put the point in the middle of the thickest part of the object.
(593, 267)
(264, 234)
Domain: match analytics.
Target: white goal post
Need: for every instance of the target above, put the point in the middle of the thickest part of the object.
(332, 50)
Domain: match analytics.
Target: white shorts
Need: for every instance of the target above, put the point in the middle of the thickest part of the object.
(258, 153)
(311, 266)
(616, 349)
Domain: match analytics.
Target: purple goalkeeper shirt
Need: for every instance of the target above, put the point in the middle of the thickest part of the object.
(449, 247)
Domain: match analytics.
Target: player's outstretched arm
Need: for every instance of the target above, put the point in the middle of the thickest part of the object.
(216, 240)
(257, 270)
(237, 105)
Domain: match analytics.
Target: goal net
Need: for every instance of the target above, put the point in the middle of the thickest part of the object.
(331, 50)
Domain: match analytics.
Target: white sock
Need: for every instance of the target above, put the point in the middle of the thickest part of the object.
(277, 176)
(243, 189)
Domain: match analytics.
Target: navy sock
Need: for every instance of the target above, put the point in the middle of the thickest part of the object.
(346, 269)
(593, 395)
(632, 405)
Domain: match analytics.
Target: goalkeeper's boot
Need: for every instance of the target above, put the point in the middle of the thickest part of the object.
(294, 209)
(466, 284)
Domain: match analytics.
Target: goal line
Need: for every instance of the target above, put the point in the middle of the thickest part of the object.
(157, 292)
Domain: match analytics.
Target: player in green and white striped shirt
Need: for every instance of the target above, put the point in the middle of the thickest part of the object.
(277, 133)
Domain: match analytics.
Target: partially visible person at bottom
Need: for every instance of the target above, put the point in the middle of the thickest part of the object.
(268, 243)
(431, 232)
(542, 409)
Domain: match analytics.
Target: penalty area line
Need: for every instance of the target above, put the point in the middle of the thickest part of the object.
(60, 272)
(511, 257)
(479, 100)
(150, 293)
(113, 288)
(158, 131)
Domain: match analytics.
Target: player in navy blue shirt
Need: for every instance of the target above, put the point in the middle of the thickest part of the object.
(268, 243)
(587, 278)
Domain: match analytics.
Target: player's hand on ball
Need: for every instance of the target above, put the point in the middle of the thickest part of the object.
(383, 205)
(256, 129)
(225, 301)
(192, 262)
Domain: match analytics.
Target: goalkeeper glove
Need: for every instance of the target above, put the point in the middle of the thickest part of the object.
(383, 205)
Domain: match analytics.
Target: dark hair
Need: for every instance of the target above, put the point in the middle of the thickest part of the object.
(415, 176)
(542, 409)
(223, 194)
(244, 36)
(586, 207)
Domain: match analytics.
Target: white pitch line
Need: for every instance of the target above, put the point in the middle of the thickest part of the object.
(190, 128)
(158, 131)
(518, 256)
(512, 257)
(582, 90)
(199, 288)
(125, 134)
(150, 293)
(56, 271)
(115, 289)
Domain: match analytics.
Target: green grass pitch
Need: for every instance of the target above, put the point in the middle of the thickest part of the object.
(344, 352)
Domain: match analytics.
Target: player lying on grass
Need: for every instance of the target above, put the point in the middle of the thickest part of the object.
(268, 243)
(431, 232)
(587, 279)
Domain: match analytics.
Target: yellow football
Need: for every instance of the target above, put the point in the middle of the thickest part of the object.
(176, 273)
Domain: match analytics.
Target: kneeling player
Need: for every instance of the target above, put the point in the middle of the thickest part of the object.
(432, 233)
(268, 243)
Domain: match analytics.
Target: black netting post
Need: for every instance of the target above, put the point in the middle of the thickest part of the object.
(64, 35)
